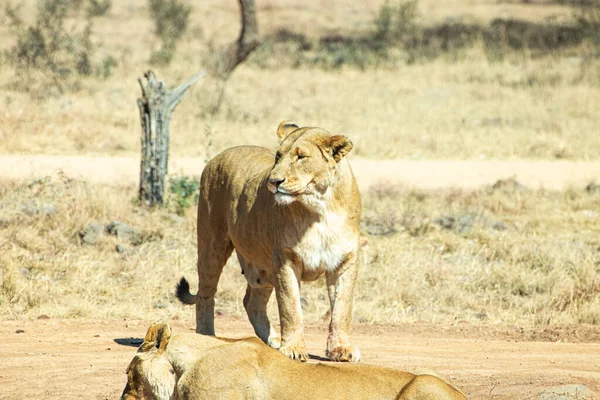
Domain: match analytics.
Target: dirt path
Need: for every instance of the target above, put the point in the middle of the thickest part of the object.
(73, 359)
(421, 174)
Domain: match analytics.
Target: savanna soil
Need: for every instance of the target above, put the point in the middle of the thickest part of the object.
(425, 174)
(71, 359)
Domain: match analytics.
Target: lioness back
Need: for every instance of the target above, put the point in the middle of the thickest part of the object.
(236, 168)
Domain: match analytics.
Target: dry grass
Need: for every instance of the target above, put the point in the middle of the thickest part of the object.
(462, 105)
(505, 255)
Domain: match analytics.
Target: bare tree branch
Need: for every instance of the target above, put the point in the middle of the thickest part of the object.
(239, 50)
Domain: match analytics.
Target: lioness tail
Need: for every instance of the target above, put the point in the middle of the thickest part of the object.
(183, 292)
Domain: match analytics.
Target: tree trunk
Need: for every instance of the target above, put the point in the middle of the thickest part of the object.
(239, 50)
(156, 106)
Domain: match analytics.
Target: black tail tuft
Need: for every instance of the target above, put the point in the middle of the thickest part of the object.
(183, 292)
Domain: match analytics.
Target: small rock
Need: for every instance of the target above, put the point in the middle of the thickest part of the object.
(19, 331)
(91, 233)
(462, 224)
(593, 188)
(481, 315)
(566, 392)
(175, 219)
(590, 213)
(43, 316)
(508, 185)
(159, 305)
(500, 226)
(34, 209)
(25, 272)
(125, 232)
(445, 222)
(123, 249)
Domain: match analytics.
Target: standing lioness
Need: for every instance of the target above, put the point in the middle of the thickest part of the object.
(291, 217)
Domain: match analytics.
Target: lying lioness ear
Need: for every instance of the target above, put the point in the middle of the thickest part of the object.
(340, 146)
(285, 127)
(158, 335)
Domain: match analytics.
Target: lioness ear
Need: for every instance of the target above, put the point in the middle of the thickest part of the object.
(285, 127)
(340, 146)
(159, 335)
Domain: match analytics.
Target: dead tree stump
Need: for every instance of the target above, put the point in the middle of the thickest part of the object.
(156, 107)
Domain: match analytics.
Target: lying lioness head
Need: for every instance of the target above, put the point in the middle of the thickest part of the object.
(189, 366)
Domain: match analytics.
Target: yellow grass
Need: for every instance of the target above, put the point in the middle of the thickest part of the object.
(464, 106)
(512, 256)
(543, 268)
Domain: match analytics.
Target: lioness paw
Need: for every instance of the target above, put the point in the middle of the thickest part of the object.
(274, 342)
(298, 353)
(344, 353)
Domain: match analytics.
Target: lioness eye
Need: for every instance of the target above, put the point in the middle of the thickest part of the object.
(301, 156)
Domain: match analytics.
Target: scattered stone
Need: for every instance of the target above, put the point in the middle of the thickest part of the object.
(481, 316)
(34, 209)
(500, 226)
(445, 222)
(460, 225)
(593, 188)
(159, 305)
(124, 250)
(25, 272)
(43, 316)
(91, 233)
(4, 222)
(125, 232)
(508, 185)
(174, 219)
(590, 213)
(566, 392)
(375, 228)
(19, 331)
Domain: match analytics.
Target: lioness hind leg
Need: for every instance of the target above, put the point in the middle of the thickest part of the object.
(255, 303)
(212, 256)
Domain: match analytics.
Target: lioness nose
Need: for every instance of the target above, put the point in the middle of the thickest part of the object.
(276, 181)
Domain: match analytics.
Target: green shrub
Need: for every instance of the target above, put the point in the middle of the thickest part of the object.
(396, 20)
(98, 8)
(55, 51)
(184, 192)
(171, 20)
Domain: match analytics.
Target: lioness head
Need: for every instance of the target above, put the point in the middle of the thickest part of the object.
(150, 375)
(305, 163)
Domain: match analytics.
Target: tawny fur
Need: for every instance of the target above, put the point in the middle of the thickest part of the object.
(206, 367)
(291, 216)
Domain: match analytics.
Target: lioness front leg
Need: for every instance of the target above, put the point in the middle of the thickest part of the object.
(340, 287)
(287, 291)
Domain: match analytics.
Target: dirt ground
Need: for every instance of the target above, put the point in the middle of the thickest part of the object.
(425, 174)
(73, 359)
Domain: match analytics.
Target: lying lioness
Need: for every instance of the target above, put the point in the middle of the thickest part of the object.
(190, 366)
